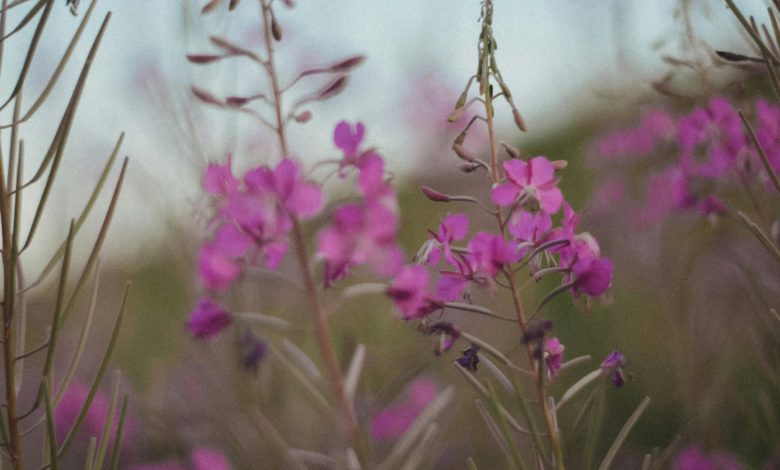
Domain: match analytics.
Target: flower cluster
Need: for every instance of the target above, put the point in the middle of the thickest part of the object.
(705, 151)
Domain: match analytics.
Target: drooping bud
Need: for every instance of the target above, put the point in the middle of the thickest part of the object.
(232, 48)
(347, 64)
(233, 4)
(463, 153)
(205, 96)
(210, 6)
(468, 167)
(460, 138)
(455, 115)
(303, 117)
(519, 122)
(559, 164)
(203, 58)
(288, 3)
(511, 151)
(333, 89)
(276, 30)
(434, 195)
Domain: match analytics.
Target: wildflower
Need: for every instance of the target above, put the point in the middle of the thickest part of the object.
(554, 355)
(361, 233)
(348, 139)
(718, 129)
(208, 319)
(92, 425)
(251, 350)
(394, 421)
(534, 180)
(592, 275)
(209, 459)
(448, 334)
(218, 180)
(768, 131)
(453, 228)
(217, 270)
(613, 364)
(692, 458)
(409, 291)
(470, 358)
(529, 227)
(655, 127)
(294, 194)
(666, 191)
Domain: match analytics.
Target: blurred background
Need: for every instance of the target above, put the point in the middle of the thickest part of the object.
(686, 293)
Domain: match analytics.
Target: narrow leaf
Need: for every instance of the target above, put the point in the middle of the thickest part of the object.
(579, 386)
(613, 449)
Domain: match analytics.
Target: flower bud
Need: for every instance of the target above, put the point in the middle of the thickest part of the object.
(276, 30)
(457, 114)
(203, 58)
(462, 153)
(434, 195)
(468, 167)
(460, 138)
(559, 164)
(511, 151)
(519, 122)
(303, 117)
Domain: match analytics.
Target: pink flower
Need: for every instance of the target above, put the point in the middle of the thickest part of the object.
(554, 357)
(453, 228)
(768, 131)
(217, 269)
(208, 319)
(592, 275)
(529, 228)
(348, 139)
(655, 127)
(360, 234)
(394, 421)
(716, 132)
(534, 180)
(92, 426)
(692, 458)
(285, 181)
(613, 364)
(409, 291)
(666, 191)
(209, 459)
(218, 180)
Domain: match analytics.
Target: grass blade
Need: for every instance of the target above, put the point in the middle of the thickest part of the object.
(50, 435)
(105, 437)
(353, 372)
(579, 386)
(116, 450)
(613, 449)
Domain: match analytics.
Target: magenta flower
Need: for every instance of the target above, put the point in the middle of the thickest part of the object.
(692, 458)
(217, 270)
(294, 194)
(716, 134)
(409, 291)
(208, 319)
(666, 191)
(348, 139)
(592, 275)
(528, 227)
(92, 426)
(534, 180)
(768, 131)
(218, 180)
(394, 421)
(360, 234)
(469, 358)
(613, 364)
(209, 459)
(453, 228)
(554, 355)
(655, 128)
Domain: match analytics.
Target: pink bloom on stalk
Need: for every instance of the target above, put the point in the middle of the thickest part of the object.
(529, 228)
(692, 458)
(360, 234)
(453, 228)
(92, 426)
(718, 129)
(666, 192)
(209, 459)
(581, 245)
(348, 139)
(655, 127)
(218, 180)
(217, 270)
(394, 421)
(371, 180)
(285, 181)
(613, 364)
(592, 275)
(554, 358)
(534, 179)
(208, 319)
(409, 291)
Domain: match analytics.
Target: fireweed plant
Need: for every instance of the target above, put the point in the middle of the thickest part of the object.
(41, 416)
(717, 161)
(260, 219)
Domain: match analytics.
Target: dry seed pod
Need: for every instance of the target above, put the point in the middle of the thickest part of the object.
(347, 64)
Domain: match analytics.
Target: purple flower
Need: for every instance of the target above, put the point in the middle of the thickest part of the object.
(470, 358)
(294, 194)
(613, 364)
(534, 180)
(714, 132)
(218, 180)
(217, 270)
(655, 127)
(209, 459)
(348, 139)
(392, 422)
(666, 191)
(251, 350)
(448, 334)
(768, 131)
(409, 291)
(453, 228)
(592, 275)
(692, 458)
(92, 426)
(360, 234)
(554, 357)
(208, 319)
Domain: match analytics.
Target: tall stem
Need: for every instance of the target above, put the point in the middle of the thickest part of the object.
(555, 441)
(321, 328)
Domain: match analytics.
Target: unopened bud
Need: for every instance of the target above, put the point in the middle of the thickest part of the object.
(333, 89)
(457, 114)
(519, 122)
(462, 153)
(303, 117)
(511, 151)
(460, 138)
(205, 96)
(233, 4)
(288, 3)
(506, 92)
(559, 164)
(347, 64)
(276, 30)
(434, 195)
(203, 58)
(468, 167)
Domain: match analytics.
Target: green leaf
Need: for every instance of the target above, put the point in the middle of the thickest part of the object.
(613, 449)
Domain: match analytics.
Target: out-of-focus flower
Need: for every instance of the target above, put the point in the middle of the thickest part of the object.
(92, 426)
(448, 334)
(692, 458)
(209, 459)
(294, 194)
(656, 127)
(453, 228)
(613, 364)
(592, 275)
(469, 358)
(554, 355)
(208, 319)
(530, 181)
(251, 350)
(716, 132)
(409, 291)
(218, 180)
(393, 421)
(348, 138)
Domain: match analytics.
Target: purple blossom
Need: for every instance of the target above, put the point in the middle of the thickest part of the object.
(453, 228)
(409, 291)
(656, 127)
(208, 319)
(294, 194)
(711, 139)
(768, 131)
(218, 180)
(692, 458)
(217, 270)
(534, 180)
(393, 421)
(554, 357)
(666, 191)
(613, 364)
(469, 358)
(251, 350)
(448, 334)
(360, 234)
(348, 139)
(528, 227)
(209, 459)
(592, 275)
